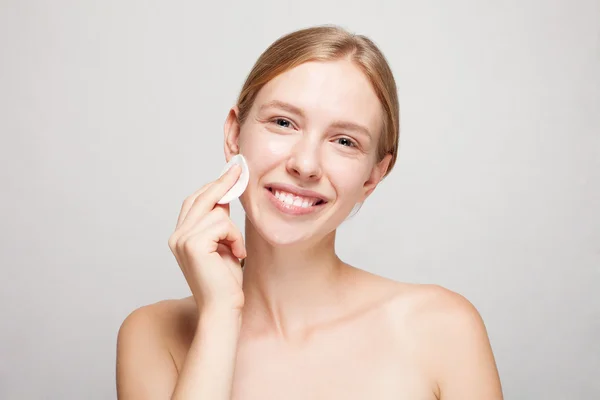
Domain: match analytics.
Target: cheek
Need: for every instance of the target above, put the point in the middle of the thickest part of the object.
(255, 140)
(347, 176)
(274, 146)
(263, 150)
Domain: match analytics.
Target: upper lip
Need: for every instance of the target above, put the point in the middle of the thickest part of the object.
(296, 190)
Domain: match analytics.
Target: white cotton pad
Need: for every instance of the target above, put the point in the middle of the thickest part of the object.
(242, 182)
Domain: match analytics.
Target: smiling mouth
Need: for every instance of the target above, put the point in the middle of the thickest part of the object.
(290, 199)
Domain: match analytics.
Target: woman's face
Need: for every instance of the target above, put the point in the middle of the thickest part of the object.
(311, 136)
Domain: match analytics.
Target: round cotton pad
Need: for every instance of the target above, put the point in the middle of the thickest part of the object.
(242, 182)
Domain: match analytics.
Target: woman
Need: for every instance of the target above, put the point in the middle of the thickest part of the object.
(317, 121)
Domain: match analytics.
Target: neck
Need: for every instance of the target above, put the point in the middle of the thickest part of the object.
(290, 289)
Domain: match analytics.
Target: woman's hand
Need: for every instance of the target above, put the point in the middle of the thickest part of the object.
(208, 246)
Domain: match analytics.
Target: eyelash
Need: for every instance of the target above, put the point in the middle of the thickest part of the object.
(353, 143)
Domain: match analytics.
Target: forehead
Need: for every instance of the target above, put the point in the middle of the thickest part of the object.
(325, 91)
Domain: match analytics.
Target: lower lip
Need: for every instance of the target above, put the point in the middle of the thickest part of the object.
(292, 209)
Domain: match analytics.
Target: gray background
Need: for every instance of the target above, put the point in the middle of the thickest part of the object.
(112, 112)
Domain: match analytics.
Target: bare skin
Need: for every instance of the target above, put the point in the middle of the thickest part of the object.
(297, 322)
(393, 341)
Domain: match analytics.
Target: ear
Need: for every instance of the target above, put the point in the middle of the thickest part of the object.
(377, 174)
(231, 132)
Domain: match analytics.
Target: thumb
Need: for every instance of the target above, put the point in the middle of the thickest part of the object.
(224, 207)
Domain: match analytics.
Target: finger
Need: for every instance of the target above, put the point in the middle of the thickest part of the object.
(221, 211)
(207, 200)
(232, 237)
(189, 227)
(218, 229)
(187, 203)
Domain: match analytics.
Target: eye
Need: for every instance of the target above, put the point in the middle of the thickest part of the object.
(280, 122)
(347, 142)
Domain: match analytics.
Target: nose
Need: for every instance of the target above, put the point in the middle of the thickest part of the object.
(304, 161)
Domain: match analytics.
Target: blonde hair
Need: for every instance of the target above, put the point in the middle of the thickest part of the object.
(330, 43)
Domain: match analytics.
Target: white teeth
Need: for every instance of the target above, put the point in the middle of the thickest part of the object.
(297, 201)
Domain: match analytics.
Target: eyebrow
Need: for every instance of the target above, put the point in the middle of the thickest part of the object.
(295, 110)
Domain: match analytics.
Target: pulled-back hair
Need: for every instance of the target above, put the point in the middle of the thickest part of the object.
(330, 43)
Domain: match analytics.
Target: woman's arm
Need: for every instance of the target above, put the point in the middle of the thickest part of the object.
(209, 366)
(207, 247)
(145, 367)
(464, 363)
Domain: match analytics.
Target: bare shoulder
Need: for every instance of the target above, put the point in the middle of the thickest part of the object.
(173, 320)
(427, 306)
(432, 305)
(453, 338)
(436, 314)
(421, 301)
(149, 345)
(164, 318)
